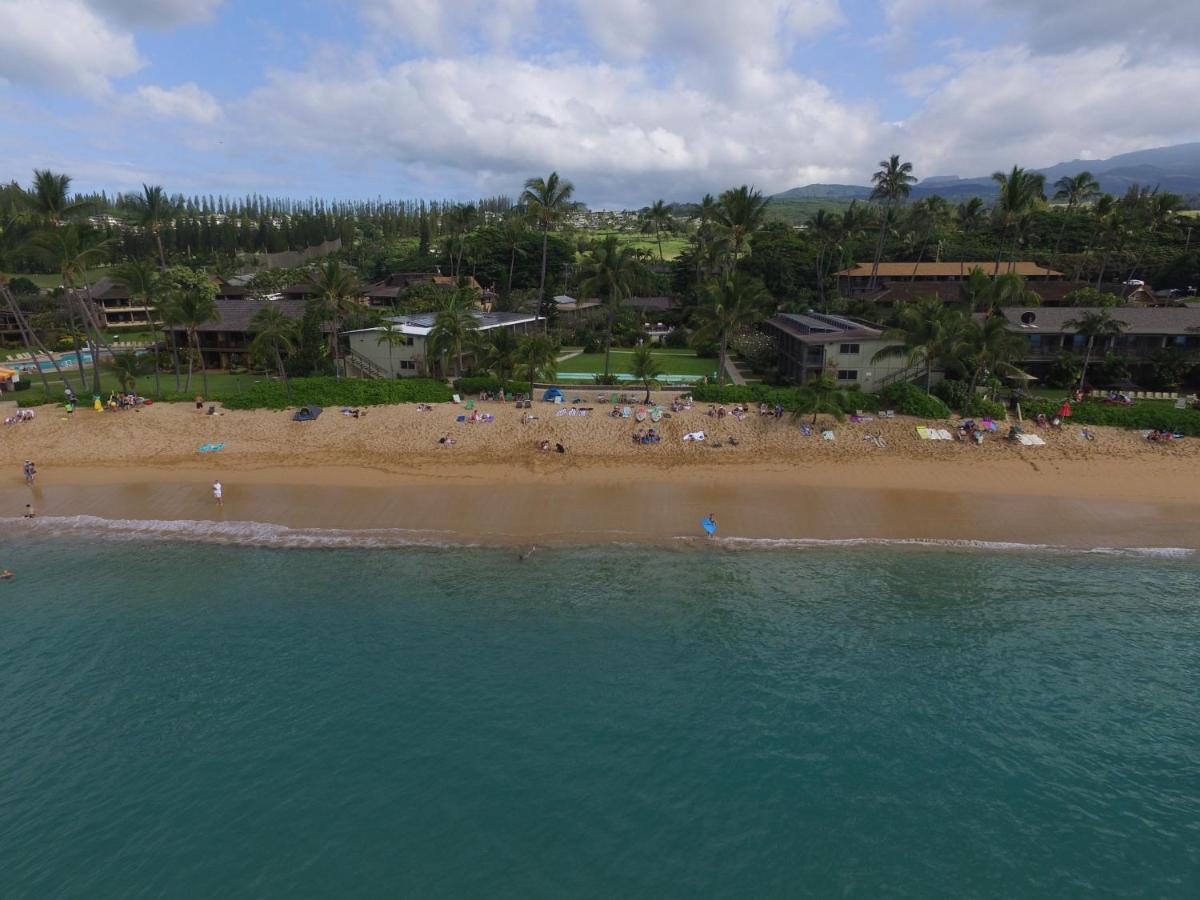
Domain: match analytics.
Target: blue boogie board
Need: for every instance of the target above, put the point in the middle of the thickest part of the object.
(709, 526)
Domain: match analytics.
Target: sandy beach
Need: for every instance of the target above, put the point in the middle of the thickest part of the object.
(388, 471)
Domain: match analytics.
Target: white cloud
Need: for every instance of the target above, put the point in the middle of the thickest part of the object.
(488, 123)
(186, 101)
(450, 27)
(921, 81)
(63, 45)
(999, 108)
(156, 13)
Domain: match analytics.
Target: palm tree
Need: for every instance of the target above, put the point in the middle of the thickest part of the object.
(893, 183)
(608, 271)
(498, 349)
(539, 357)
(987, 346)
(513, 232)
(338, 294)
(452, 329)
(825, 228)
(1020, 193)
(127, 367)
(71, 249)
(141, 280)
(821, 395)
(659, 217)
(1094, 324)
(392, 336)
(742, 211)
(151, 210)
(29, 336)
(459, 220)
(1009, 290)
(709, 210)
(968, 219)
(731, 303)
(191, 303)
(274, 332)
(1158, 211)
(1074, 190)
(926, 333)
(928, 219)
(546, 199)
(1114, 229)
(645, 367)
(49, 200)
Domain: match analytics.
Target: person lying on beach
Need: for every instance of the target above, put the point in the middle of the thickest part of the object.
(424, 407)
(448, 440)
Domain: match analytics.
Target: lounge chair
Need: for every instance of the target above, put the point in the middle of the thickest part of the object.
(456, 399)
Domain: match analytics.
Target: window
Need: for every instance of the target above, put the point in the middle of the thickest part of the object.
(407, 364)
(849, 349)
(847, 375)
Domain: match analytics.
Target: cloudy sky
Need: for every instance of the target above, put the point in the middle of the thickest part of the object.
(630, 99)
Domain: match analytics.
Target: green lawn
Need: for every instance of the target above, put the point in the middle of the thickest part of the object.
(220, 384)
(675, 362)
(672, 245)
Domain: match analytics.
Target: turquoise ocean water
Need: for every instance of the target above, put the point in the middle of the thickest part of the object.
(183, 719)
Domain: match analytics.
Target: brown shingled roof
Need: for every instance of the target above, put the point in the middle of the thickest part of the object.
(944, 269)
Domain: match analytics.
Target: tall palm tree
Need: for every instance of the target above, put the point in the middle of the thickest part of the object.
(338, 294)
(1114, 230)
(191, 303)
(513, 233)
(608, 271)
(821, 395)
(926, 333)
(538, 356)
(452, 329)
(459, 221)
(274, 333)
(968, 219)
(658, 216)
(546, 199)
(1158, 210)
(49, 199)
(392, 336)
(987, 346)
(1095, 324)
(151, 210)
(29, 336)
(645, 367)
(928, 220)
(825, 228)
(498, 349)
(742, 211)
(71, 249)
(141, 280)
(709, 211)
(1020, 193)
(893, 183)
(1010, 289)
(1074, 190)
(730, 303)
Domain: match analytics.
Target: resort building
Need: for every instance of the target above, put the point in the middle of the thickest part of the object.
(856, 279)
(1145, 331)
(121, 312)
(384, 294)
(812, 344)
(373, 355)
(225, 341)
(571, 310)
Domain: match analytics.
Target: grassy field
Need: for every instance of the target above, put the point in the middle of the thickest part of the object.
(675, 362)
(672, 245)
(797, 212)
(220, 384)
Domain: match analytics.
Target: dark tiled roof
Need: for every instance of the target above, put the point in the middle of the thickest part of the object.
(660, 304)
(1173, 320)
(235, 315)
(818, 328)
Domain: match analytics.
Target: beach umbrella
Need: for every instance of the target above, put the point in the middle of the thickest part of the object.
(1064, 411)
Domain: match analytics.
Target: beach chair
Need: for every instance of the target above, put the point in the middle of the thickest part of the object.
(887, 414)
(614, 400)
(1181, 403)
(470, 405)
(456, 399)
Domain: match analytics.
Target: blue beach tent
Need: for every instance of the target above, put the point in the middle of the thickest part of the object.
(551, 395)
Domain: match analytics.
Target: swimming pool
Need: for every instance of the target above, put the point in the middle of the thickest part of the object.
(67, 361)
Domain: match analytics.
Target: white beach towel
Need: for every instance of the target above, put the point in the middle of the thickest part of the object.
(944, 435)
(694, 436)
(1031, 440)
(828, 435)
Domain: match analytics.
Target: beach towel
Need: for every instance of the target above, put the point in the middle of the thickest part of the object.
(626, 412)
(806, 430)
(1031, 440)
(828, 435)
(460, 419)
(924, 433)
(640, 415)
(560, 412)
(655, 414)
(944, 435)
(694, 436)
(572, 412)
(210, 448)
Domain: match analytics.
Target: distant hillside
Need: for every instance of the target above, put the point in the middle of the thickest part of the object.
(825, 192)
(1175, 169)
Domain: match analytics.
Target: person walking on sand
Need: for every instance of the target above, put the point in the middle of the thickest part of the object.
(30, 471)
(219, 494)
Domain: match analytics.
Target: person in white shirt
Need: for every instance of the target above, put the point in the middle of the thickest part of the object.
(218, 493)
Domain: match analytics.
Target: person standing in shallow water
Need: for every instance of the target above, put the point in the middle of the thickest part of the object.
(219, 494)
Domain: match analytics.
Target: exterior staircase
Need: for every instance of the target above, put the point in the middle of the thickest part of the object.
(366, 368)
(907, 375)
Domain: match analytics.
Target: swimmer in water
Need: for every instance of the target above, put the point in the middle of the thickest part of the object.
(5, 575)
(524, 556)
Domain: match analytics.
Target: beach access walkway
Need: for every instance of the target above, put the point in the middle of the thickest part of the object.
(735, 377)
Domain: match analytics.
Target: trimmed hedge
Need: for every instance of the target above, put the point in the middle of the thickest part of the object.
(347, 392)
(789, 398)
(1140, 416)
(910, 400)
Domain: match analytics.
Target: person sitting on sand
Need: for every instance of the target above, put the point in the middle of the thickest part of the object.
(559, 448)
(544, 446)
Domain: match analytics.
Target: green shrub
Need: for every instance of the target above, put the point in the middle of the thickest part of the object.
(331, 393)
(1141, 415)
(788, 397)
(910, 400)
(677, 338)
(953, 393)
